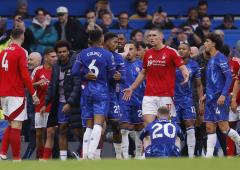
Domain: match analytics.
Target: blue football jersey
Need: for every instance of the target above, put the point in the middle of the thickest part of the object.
(132, 71)
(101, 63)
(120, 67)
(219, 77)
(163, 134)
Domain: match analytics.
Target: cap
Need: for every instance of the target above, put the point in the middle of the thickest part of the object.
(62, 9)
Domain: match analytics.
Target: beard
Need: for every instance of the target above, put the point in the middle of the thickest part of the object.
(142, 14)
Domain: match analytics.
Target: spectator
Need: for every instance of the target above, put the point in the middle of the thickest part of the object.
(136, 35)
(220, 33)
(70, 29)
(228, 23)
(159, 20)
(44, 33)
(18, 22)
(192, 20)
(123, 21)
(106, 21)
(203, 30)
(194, 52)
(202, 8)
(179, 36)
(4, 34)
(22, 9)
(141, 10)
(101, 7)
(91, 21)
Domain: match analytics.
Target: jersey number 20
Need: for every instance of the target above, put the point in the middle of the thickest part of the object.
(5, 62)
(158, 127)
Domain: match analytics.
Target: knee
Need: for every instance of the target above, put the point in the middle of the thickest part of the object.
(210, 128)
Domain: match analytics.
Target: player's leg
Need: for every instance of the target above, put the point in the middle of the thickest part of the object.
(211, 138)
(137, 121)
(189, 117)
(40, 140)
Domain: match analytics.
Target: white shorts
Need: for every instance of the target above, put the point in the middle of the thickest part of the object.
(14, 108)
(41, 120)
(151, 104)
(233, 117)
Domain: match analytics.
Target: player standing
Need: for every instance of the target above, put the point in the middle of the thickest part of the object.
(159, 66)
(131, 111)
(14, 77)
(219, 79)
(183, 98)
(97, 65)
(41, 77)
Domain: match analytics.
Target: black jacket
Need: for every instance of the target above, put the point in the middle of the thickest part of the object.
(71, 85)
(75, 33)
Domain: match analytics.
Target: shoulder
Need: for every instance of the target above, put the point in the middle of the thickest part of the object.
(171, 50)
(37, 70)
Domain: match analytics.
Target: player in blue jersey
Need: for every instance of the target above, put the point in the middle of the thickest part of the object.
(183, 98)
(219, 79)
(98, 67)
(111, 44)
(163, 134)
(131, 111)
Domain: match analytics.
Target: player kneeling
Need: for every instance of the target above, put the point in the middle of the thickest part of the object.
(163, 136)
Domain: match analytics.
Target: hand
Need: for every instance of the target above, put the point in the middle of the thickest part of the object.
(66, 108)
(221, 100)
(234, 105)
(185, 77)
(188, 29)
(117, 76)
(90, 76)
(35, 99)
(43, 82)
(43, 110)
(127, 93)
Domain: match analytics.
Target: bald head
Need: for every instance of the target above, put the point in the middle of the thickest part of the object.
(220, 33)
(194, 52)
(34, 60)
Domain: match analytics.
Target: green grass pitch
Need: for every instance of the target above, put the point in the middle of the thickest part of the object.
(151, 164)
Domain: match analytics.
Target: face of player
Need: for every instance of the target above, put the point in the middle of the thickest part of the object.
(184, 50)
(63, 54)
(132, 52)
(209, 45)
(155, 38)
(112, 44)
(51, 58)
(121, 41)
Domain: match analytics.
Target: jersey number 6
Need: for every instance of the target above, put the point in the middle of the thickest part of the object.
(93, 68)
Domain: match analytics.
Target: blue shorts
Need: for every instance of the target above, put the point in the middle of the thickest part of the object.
(131, 114)
(62, 117)
(184, 113)
(161, 151)
(84, 122)
(94, 106)
(114, 108)
(216, 113)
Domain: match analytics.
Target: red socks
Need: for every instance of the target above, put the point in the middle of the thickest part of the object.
(5, 141)
(230, 149)
(15, 142)
(47, 153)
(40, 151)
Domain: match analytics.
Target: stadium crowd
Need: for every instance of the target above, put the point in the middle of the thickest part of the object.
(149, 96)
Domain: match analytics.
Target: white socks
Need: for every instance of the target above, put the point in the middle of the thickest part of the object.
(138, 145)
(191, 141)
(211, 142)
(94, 140)
(125, 143)
(118, 150)
(234, 136)
(86, 141)
(63, 155)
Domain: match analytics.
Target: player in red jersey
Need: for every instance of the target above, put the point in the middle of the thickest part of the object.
(41, 77)
(14, 77)
(159, 66)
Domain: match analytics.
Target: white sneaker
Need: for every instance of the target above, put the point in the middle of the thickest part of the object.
(3, 157)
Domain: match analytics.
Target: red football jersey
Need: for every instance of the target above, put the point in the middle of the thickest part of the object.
(14, 74)
(160, 68)
(38, 74)
(235, 65)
